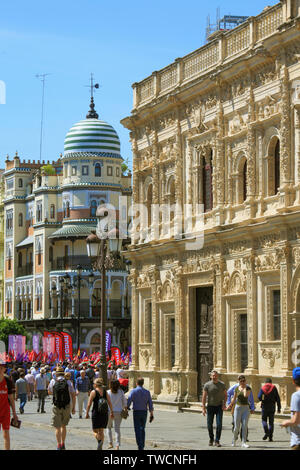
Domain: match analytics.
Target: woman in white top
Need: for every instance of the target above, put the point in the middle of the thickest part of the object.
(119, 403)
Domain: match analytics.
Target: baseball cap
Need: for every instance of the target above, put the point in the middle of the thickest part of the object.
(296, 373)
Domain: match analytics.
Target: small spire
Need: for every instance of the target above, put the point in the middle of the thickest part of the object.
(92, 113)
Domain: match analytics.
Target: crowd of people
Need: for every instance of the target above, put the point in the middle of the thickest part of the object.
(70, 384)
(240, 401)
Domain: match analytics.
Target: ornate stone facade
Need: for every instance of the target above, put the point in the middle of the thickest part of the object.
(223, 120)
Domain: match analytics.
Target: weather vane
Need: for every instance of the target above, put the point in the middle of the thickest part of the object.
(92, 113)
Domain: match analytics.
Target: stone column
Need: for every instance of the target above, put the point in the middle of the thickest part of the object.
(219, 316)
(154, 277)
(252, 367)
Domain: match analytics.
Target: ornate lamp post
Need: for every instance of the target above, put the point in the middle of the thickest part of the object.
(79, 271)
(101, 252)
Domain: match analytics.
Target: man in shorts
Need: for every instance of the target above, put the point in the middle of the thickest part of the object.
(294, 422)
(6, 400)
(61, 414)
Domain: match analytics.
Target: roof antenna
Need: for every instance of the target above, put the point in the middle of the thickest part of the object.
(92, 113)
(43, 78)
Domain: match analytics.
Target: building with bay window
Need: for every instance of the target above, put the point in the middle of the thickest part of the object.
(49, 210)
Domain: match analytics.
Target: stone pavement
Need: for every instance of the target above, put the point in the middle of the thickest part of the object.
(169, 431)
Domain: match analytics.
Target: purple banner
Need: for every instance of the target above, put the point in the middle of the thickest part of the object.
(107, 341)
(16, 344)
(36, 343)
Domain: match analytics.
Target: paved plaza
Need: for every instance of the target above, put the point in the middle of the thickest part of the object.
(169, 431)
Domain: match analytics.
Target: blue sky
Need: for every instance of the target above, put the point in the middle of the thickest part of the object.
(120, 42)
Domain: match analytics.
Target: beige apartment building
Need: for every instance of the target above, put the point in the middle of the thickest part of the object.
(219, 128)
(49, 210)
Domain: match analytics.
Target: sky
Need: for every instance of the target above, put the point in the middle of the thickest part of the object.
(120, 42)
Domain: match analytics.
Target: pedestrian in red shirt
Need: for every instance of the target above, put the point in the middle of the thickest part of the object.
(6, 400)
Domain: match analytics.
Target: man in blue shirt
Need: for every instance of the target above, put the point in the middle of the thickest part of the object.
(230, 393)
(82, 388)
(294, 423)
(141, 400)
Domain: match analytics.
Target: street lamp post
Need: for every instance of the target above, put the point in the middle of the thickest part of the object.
(101, 251)
(79, 271)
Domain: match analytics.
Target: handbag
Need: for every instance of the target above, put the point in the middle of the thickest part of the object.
(124, 414)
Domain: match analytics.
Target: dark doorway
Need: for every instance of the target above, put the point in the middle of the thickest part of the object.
(204, 331)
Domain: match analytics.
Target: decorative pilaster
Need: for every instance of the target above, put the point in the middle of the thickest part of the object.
(285, 140)
(154, 276)
(135, 320)
(284, 255)
(180, 319)
(252, 367)
(155, 186)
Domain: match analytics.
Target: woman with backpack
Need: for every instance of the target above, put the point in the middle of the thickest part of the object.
(101, 405)
(119, 404)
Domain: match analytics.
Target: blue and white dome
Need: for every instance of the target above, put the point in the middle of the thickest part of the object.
(92, 136)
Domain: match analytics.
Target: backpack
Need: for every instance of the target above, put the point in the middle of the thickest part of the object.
(102, 405)
(61, 396)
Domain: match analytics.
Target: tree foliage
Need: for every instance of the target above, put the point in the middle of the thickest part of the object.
(10, 327)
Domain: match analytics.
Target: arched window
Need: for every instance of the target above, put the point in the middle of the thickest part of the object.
(245, 181)
(20, 183)
(67, 209)
(277, 166)
(149, 205)
(207, 194)
(97, 169)
(273, 161)
(20, 220)
(52, 211)
(93, 208)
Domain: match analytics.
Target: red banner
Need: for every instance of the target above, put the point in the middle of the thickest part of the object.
(68, 345)
(116, 355)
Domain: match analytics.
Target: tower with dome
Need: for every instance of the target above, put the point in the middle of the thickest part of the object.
(50, 209)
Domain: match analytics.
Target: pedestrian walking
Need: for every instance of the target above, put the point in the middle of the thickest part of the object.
(141, 401)
(230, 394)
(22, 390)
(29, 377)
(240, 400)
(215, 394)
(40, 388)
(82, 388)
(91, 375)
(119, 406)
(101, 405)
(269, 397)
(294, 423)
(7, 400)
(64, 401)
